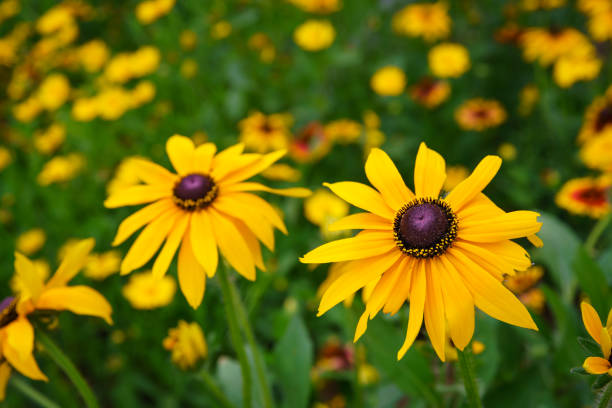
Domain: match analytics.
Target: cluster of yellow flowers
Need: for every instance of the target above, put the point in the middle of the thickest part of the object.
(150, 10)
(112, 102)
(599, 13)
(427, 20)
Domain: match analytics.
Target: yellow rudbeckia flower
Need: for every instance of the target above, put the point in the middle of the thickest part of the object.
(601, 334)
(443, 254)
(206, 205)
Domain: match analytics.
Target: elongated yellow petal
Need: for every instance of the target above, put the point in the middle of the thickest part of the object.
(435, 322)
(5, 375)
(140, 194)
(232, 245)
(383, 175)
(191, 275)
(362, 221)
(458, 304)
(28, 276)
(26, 366)
(79, 299)
(478, 209)
(362, 196)
(164, 259)
(429, 172)
(20, 336)
(252, 243)
(263, 162)
(203, 157)
(364, 245)
(268, 212)
(141, 217)
(149, 241)
(475, 183)
(490, 295)
(591, 321)
(515, 224)
(492, 262)
(180, 150)
(73, 262)
(251, 216)
(362, 272)
(203, 242)
(418, 293)
(226, 161)
(535, 241)
(251, 186)
(509, 251)
(596, 365)
(606, 343)
(152, 173)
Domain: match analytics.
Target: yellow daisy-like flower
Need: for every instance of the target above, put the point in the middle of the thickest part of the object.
(314, 35)
(597, 118)
(600, 25)
(430, 92)
(206, 205)
(187, 344)
(480, 114)
(601, 334)
(31, 241)
(430, 21)
(388, 81)
(146, 291)
(344, 131)
(586, 196)
(445, 254)
(448, 60)
(546, 45)
(572, 68)
(265, 133)
(597, 153)
(16, 331)
(310, 144)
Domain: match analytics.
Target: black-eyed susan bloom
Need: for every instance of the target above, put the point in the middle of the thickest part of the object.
(206, 205)
(443, 254)
(601, 334)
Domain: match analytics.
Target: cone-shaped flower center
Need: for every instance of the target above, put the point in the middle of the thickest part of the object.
(8, 311)
(604, 118)
(591, 196)
(425, 227)
(195, 191)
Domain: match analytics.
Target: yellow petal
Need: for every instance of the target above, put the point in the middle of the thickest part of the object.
(609, 320)
(362, 196)
(429, 172)
(478, 209)
(252, 243)
(263, 162)
(141, 217)
(606, 343)
(26, 366)
(152, 173)
(232, 245)
(515, 224)
(226, 161)
(203, 157)
(536, 241)
(20, 336)
(203, 243)
(191, 275)
(28, 276)
(434, 311)
(268, 212)
(180, 150)
(475, 183)
(492, 262)
(149, 241)
(596, 365)
(490, 295)
(591, 321)
(79, 299)
(5, 375)
(362, 221)
(250, 186)
(251, 216)
(418, 292)
(510, 252)
(73, 262)
(139, 194)
(361, 273)
(164, 259)
(458, 304)
(383, 175)
(364, 245)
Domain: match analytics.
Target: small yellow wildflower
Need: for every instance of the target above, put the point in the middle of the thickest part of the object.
(188, 40)
(150, 10)
(85, 109)
(430, 92)
(597, 153)
(428, 20)
(5, 158)
(49, 140)
(187, 344)
(27, 110)
(221, 30)
(314, 35)
(586, 196)
(576, 67)
(264, 133)
(31, 241)
(507, 151)
(601, 335)
(146, 291)
(93, 55)
(189, 68)
(100, 266)
(448, 60)
(529, 96)
(600, 25)
(480, 114)
(142, 93)
(344, 131)
(53, 92)
(388, 81)
(61, 169)
(323, 208)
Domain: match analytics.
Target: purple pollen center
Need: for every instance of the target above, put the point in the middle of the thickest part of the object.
(193, 187)
(6, 303)
(423, 225)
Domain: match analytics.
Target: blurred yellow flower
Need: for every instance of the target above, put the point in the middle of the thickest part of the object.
(532, 5)
(188, 40)
(113, 102)
(601, 335)
(264, 133)
(5, 158)
(343, 131)
(126, 175)
(310, 144)
(93, 55)
(571, 68)
(189, 68)
(282, 172)
(448, 60)
(523, 284)
(480, 114)
(371, 120)
(318, 6)
(600, 25)
(507, 151)
(430, 92)
(428, 20)
(367, 374)
(546, 45)
(221, 30)
(592, 7)
(55, 19)
(102, 265)
(53, 92)
(451, 352)
(60, 169)
(529, 96)
(85, 109)
(314, 35)
(597, 118)
(388, 81)
(49, 140)
(187, 344)
(323, 208)
(8, 9)
(27, 110)
(125, 66)
(586, 196)
(143, 92)
(597, 153)
(146, 291)
(31, 241)
(150, 10)
(454, 176)
(258, 41)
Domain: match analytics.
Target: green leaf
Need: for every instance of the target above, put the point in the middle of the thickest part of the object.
(579, 371)
(601, 382)
(592, 280)
(230, 379)
(293, 357)
(560, 245)
(589, 346)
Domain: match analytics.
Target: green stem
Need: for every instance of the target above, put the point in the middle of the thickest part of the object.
(232, 321)
(596, 232)
(29, 392)
(466, 363)
(68, 367)
(250, 337)
(605, 397)
(214, 390)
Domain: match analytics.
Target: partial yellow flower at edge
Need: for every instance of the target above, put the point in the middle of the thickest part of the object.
(49, 140)
(448, 60)
(314, 35)
(480, 114)
(318, 6)
(187, 344)
(586, 196)
(145, 291)
(597, 153)
(388, 81)
(428, 20)
(102, 265)
(5, 157)
(61, 169)
(31, 241)
(570, 69)
(601, 335)
(53, 91)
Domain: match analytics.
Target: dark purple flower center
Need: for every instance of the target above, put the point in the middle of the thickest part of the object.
(8, 311)
(425, 227)
(604, 118)
(195, 191)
